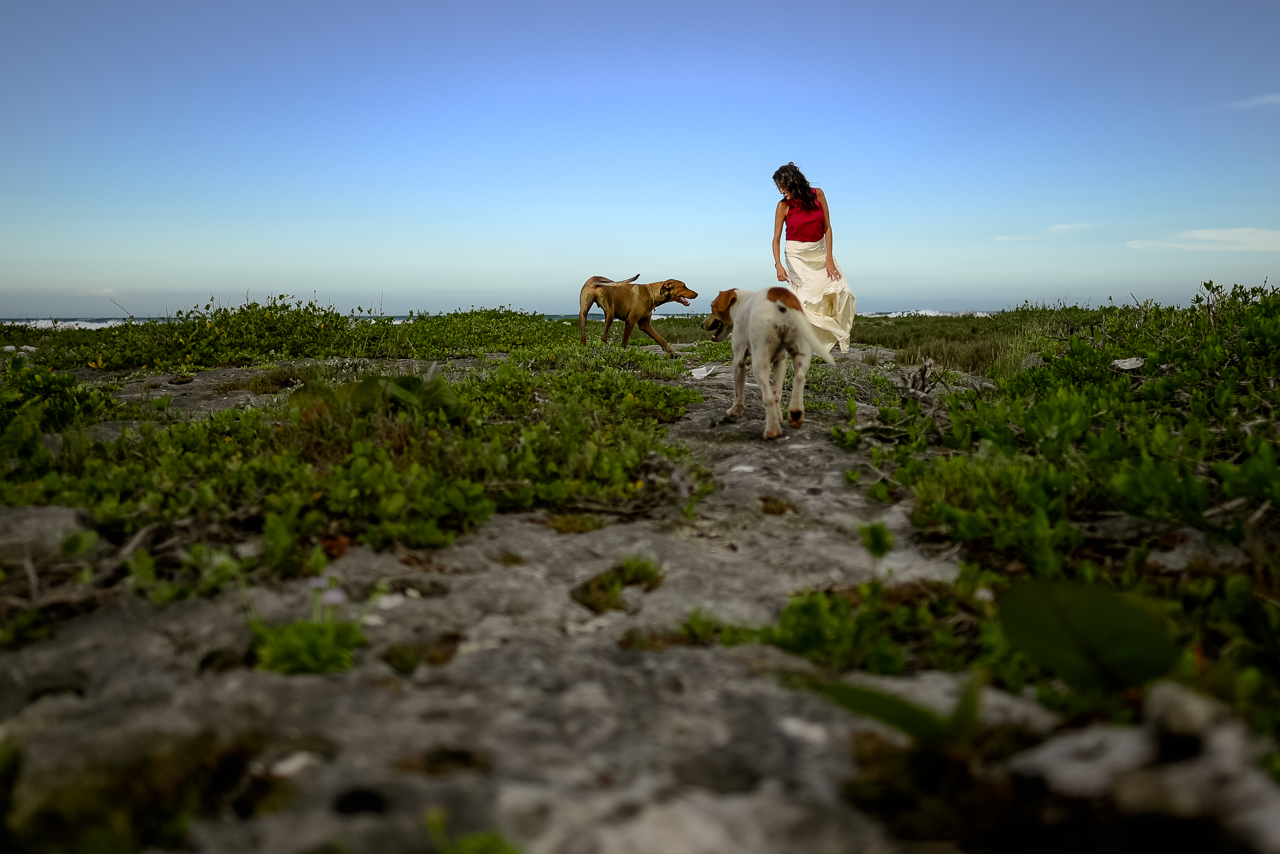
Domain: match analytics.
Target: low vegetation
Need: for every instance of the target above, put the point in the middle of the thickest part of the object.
(284, 328)
(407, 459)
(995, 344)
(1155, 424)
(42, 400)
(323, 644)
(1150, 413)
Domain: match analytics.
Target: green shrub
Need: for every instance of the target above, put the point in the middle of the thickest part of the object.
(386, 460)
(284, 328)
(307, 646)
(61, 400)
(1185, 438)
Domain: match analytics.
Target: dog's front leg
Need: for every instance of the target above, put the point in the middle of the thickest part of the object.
(772, 410)
(795, 416)
(646, 326)
(739, 386)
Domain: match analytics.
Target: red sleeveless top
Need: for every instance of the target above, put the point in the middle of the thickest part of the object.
(805, 226)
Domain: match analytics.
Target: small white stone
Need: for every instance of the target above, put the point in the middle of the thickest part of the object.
(467, 647)
(248, 550)
(293, 763)
(743, 469)
(1087, 763)
(586, 627)
(1129, 364)
(390, 601)
(373, 620)
(1181, 711)
(802, 730)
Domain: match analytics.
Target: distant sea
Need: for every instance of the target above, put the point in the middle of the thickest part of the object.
(104, 322)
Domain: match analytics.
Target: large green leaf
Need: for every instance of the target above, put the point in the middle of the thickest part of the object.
(921, 724)
(965, 720)
(1088, 635)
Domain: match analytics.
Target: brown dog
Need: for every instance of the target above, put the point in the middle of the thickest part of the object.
(631, 302)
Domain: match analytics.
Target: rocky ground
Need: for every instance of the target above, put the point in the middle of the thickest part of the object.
(528, 716)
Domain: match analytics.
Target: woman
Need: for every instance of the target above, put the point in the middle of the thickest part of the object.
(811, 268)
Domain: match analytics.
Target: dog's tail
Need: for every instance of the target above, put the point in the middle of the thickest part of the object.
(817, 345)
(786, 299)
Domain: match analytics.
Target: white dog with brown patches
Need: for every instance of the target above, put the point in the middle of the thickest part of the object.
(775, 326)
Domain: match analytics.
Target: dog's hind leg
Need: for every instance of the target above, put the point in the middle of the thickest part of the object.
(772, 411)
(779, 376)
(795, 415)
(585, 300)
(608, 322)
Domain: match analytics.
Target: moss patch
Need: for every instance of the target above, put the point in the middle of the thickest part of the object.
(604, 592)
(130, 804)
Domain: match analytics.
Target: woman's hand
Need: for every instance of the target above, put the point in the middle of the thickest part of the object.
(780, 270)
(832, 273)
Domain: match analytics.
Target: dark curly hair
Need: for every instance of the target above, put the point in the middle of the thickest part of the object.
(791, 179)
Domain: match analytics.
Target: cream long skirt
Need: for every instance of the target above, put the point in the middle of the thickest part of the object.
(829, 304)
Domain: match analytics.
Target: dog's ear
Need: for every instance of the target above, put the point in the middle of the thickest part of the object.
(723, 301)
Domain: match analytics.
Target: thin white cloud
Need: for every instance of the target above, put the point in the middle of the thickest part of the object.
(97, 292)
(1051, 230)
(1217, 240)
(1251, 103)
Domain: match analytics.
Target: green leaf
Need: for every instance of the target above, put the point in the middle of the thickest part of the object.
(316, 561)
(1088, 635)
(366, 395)
(876, 538)
(923, 725)
(142, 567)
(404, 391)
(963, 725)
(78, 543)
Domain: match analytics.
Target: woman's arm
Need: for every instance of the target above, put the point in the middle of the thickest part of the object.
(832, 272)
(779, 217)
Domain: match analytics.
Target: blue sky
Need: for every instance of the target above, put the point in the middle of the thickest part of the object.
(430, 156)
